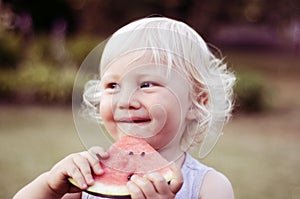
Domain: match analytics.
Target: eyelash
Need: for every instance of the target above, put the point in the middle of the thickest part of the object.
(112, 86)
(146, 84)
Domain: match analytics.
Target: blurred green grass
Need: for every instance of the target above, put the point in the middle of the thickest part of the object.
(258, 153)
(32, 140)
(260, 156)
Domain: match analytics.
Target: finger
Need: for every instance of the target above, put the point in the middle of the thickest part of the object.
(98, 152)
(94, 162)
(77, 176)
(145, 186)
(135, 191)
(75, 189)
(177, 181)
(159, 182)
(96, 166)
(84, 167)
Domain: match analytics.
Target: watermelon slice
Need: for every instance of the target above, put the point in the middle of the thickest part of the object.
(128, 156)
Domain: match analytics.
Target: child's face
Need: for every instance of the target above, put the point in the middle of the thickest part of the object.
(139, 99)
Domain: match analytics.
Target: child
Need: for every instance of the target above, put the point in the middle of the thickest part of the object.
(159, 81)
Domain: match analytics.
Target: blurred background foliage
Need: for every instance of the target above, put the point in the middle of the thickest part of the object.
(42, 44)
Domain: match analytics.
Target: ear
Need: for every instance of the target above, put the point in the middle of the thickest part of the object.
(205, 98)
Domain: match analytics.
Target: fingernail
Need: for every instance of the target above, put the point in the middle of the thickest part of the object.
(91, 181)
(134, 176)
(84, 186)
(103, 155)
(99, 156)
(129, 183)
(100, 171)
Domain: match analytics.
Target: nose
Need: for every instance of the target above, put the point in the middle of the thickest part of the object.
(128, 100)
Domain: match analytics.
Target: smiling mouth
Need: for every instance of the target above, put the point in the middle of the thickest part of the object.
(139, 121)
(136, 120)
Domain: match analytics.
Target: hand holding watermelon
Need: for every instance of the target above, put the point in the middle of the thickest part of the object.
(154, 185)
(80, 166)
(131, 168)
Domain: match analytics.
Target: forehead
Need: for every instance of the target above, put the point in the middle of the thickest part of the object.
(146, 59)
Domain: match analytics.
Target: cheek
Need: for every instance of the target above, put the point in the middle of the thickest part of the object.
(106, 114)
(177, 109)
(106, 110)
(168, 111)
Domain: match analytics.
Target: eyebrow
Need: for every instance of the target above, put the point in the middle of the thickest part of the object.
(110, 76)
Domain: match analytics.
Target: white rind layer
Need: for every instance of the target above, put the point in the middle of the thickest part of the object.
(115, 190)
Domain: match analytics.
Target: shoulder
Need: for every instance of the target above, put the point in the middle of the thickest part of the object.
(216, 185)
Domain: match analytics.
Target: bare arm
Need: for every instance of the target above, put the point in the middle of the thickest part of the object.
(54, 183)
(38, 188)
(216, 185)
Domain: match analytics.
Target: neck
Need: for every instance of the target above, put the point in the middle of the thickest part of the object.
(173, 154)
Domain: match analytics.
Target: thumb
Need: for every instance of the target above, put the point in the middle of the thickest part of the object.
(74, 189)
(177, 181)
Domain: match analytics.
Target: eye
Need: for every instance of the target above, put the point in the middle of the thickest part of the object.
(147, 84)
(112, 86)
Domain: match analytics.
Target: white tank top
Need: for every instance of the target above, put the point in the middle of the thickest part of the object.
(193, 175)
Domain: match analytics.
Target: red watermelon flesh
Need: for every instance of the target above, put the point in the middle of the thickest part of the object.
(128, 156)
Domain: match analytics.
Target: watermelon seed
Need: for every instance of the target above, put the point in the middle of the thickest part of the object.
(130, 153)
(143, 154)
(129, 176)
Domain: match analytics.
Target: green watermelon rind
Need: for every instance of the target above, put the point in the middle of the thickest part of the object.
(99, 190)
(115, 191)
